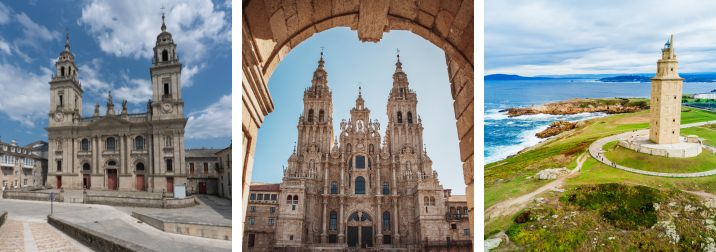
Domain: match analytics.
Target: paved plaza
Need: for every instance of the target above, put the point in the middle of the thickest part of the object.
(31, 217)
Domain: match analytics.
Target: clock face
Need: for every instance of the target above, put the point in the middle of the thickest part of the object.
(166, 108)
(58, 116)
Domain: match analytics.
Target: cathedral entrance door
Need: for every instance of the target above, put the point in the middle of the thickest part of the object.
(360, 230)
(352, 236)
(366, 234)
(86, 181)
(202, 187)
(112, 179)
(140, 182)
(170, 184)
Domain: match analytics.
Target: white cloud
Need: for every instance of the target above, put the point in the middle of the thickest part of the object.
(4, 46)
(90, 77)
(187, 73)
(554, 37)
(25, 95)
(129, 28)
(4, 14)
(136, 91)
(34, 31)
(212, 122)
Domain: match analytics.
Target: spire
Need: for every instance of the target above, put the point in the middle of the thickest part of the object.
(164, 26)
(398, 64)
(67, 40)
(359, 101)
(320, 61)
(668, 52)
(320, 75)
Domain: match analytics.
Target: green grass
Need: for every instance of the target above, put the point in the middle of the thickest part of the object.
(506, 178)
(625, 207)
(632, 159)
(705, 132)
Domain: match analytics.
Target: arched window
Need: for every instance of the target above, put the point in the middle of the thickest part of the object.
(370, 148)
(400, 117)
(386, 220)
(321, 116)
(139, 143)
(410, 117)
(310, 115)
(295, 199)
(139, 166)
(426, 200)
(334, 187)
(386, 188)
(353, 217)
(169, 165)
(112, 163)
(349, 148)
(111, 144)
(360, 162)
(370, 164)
(86, 167)
(165, 55)
(166, 89)
(288, 199)
(84, 145)
(333, 223)
(360, 185)
(312, 165)
(432, 201)
(62, 71)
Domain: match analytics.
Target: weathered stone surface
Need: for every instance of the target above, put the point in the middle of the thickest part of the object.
(551, 174)
(406, 9)
(372, 19)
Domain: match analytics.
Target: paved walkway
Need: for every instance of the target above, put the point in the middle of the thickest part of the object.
(211, 210)
(29, 234)
(596, 151)
(112, 222)
(511, 206)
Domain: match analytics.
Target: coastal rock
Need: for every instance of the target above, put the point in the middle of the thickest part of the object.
(492, 243)
(710, 203)
(709, 246)
(555, 128)
(551, 173)
(669, 231)
(577, 106)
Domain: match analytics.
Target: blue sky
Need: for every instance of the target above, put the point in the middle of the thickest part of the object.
(538, 37)
(112, 42)
(350, 64)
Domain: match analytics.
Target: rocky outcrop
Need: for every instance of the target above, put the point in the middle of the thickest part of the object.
(551, 173)
(577, 106)
(555, 128)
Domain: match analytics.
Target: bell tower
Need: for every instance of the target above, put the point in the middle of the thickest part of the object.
(166, 79)
(404, 128)
(65, 89)
(666, 88)
(315, 125)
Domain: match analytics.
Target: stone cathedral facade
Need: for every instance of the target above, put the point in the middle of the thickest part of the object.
(359, 188)
(118, 150)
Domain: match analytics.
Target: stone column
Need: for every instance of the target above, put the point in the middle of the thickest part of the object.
(341, 235)
(323, 233)
(379, 237)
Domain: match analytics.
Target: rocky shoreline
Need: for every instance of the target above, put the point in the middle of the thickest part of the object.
(556, 128)
(577, 106)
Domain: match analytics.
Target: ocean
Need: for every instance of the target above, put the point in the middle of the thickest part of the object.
(506, 136)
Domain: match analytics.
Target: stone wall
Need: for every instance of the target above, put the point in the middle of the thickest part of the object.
(94, 240)
(38, 196)
(194, 229)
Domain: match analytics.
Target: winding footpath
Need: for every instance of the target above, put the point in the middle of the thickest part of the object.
(596, 151)
(511, 206)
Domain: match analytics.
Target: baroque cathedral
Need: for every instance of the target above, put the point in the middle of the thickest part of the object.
(118, 151)
(358, 188)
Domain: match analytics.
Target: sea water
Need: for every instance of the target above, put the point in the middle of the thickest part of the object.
(506, 136)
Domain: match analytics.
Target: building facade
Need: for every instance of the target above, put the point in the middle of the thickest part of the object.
(666, 88)
(118, 150)
(203, 171)
(261, 217)
(225, 172)
(358, 188)
(20, 166)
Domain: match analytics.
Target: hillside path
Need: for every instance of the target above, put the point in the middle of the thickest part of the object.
(511, 206)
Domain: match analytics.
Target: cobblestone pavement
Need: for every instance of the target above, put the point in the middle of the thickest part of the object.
(103, 219)
(16, 235)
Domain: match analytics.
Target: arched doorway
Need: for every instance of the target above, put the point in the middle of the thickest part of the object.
(112, 179)
(271, 29)
(359, 230)
(86, 173)
(139, 177)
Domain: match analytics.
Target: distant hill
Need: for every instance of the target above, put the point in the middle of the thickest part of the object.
(512, 77)
(688, 77)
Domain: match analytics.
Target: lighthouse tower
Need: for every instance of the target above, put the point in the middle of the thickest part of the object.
(666, 89)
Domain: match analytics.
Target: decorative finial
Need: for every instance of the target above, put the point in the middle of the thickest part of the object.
(397, 52)
(67, 39)
(359, 91)
(164, 26)
(320, 61)
(398, 65)
(294, 147)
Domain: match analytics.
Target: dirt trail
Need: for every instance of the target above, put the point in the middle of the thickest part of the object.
(511, 206)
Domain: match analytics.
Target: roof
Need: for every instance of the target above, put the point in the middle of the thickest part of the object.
(201, 153)
(457, 198)
(265, 187)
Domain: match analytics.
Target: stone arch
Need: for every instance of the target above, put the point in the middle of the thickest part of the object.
(271, 29)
